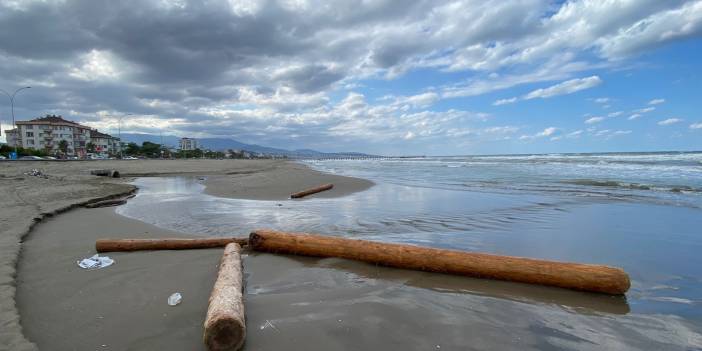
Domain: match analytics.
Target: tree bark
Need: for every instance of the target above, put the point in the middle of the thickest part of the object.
(225, 324)
(311, 191)
(113, 245)
(584, 277)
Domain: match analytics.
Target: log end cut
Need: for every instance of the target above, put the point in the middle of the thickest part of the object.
(224, 332)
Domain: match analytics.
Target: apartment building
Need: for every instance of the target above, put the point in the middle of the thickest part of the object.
(46, 133)
(187, 144)
(105, 144)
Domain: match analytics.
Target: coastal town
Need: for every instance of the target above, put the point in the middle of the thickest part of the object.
(53, 137)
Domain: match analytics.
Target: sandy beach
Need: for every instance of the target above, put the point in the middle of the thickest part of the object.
(332, 304)
(67, 185)
(314, 304)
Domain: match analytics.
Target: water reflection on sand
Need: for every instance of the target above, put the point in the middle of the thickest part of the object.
(657, 245)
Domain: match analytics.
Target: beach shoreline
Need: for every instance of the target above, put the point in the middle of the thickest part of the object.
(63, 186)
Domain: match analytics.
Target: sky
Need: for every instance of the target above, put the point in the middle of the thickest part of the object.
(377, 76)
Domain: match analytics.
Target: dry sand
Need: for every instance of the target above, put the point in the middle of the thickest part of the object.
(29, 199)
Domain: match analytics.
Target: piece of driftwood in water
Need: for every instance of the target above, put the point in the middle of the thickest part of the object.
(113, 245)
(584, 277)
(225, 324)
(106, 203)
(105, 173)
(311, 191)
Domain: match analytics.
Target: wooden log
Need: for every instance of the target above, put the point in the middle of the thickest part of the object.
(105, 173)
(311, 191)
(584, 277)
(113, 245)
(225, 324)
(106, 203)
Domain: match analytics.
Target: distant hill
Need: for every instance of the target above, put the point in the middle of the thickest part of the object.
(223, 144)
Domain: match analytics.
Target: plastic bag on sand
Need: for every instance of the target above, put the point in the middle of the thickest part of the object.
(95, 262)
(174, 299)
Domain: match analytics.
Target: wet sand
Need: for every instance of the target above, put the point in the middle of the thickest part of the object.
(28, 200)
(276, 184)
(298, 302)
(313, 304)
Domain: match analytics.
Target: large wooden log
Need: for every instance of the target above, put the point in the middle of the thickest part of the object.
(105, 173)
(225, 324)
(112, 245)
(585, 277)
(311, 191)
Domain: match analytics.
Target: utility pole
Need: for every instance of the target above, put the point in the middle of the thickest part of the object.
(12, 104)
(119, 131)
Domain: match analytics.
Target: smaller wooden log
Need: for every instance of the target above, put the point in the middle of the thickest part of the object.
(114, 245)
(105, 173)
(577, 276)
(311, 191)
(106, 203)
(225, 324)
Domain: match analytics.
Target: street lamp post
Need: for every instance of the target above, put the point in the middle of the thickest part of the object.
(12, 107)
(119, 131)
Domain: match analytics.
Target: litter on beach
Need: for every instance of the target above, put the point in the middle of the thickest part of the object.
(175, 299)
(95, 262)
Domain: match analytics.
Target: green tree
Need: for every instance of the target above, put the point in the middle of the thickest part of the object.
(150, 149)
(90, 147)
(132, 149)
(63, 147)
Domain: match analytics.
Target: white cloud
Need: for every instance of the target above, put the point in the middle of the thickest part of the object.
(547, 132)
(567, 87)
(594, 120)
(696, 126)
(656, 101)
(505, 101)
(614, 114)
(418, 101)
(644, 110)
(563, 88)
(634, 116)
(669, 121)
(621, 132)
(653, 30)
(97, 64)
(575, 134)
(550, 131)
(602, 100)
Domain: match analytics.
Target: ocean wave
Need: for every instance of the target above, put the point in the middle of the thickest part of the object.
(633, 186)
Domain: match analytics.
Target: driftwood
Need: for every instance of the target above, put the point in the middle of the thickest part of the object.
(106, 203)
(311, 191)
(584, 277)
(112, 245)
(105, 173)
(225, 326)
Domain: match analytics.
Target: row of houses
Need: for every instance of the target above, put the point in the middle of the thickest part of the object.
(47, 133)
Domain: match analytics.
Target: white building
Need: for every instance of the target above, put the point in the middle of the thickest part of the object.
(187, 144)
(105, 144)
(47, 133)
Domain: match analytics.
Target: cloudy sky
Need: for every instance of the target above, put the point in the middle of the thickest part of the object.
(378, 76)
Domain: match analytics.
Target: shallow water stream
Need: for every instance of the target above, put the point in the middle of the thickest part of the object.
(361, 306)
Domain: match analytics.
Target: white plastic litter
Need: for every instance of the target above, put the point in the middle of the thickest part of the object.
(175, 299)
(95, 262)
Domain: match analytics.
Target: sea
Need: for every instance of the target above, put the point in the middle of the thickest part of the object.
(638, 211)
